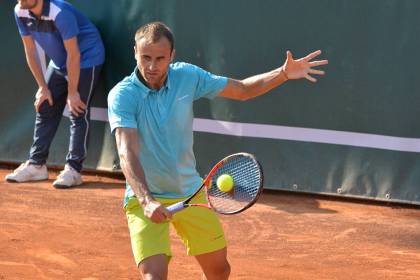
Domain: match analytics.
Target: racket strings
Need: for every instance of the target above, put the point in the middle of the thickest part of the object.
(247, 178)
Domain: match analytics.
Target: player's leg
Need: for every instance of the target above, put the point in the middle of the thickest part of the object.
(215, 264)
(149, 242)
(202, 233)
(154, 267)
(79, 130)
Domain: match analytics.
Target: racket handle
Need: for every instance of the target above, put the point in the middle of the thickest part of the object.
(176, 207)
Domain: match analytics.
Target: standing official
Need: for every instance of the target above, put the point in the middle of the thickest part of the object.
(77, 54)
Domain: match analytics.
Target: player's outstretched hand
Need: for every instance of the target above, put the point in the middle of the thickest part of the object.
(42, 94)
(156, 212)
(303, 67)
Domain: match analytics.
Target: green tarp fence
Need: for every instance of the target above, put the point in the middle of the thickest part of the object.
(354, 133)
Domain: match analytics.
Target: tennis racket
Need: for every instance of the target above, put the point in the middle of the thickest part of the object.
(247, 177)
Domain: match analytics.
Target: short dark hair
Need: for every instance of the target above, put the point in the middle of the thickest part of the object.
(154, 31)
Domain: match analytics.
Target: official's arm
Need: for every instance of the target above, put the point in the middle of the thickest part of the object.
(34, 64)
(73, 74)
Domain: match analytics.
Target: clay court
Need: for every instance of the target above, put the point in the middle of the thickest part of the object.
(81, 233)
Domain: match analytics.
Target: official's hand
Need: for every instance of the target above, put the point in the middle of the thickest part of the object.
(42, 94)
(76, 105)
(156, 212)
(302, 68)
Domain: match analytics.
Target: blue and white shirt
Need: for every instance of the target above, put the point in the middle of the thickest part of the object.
(60, 21)
(164, 121)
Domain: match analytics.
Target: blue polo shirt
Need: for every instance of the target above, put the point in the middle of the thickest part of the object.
(164, 120)
(61, 21)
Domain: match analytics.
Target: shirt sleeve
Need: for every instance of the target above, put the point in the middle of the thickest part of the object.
(66, 24)
(23, 31)
(122, 109)
(208, 84)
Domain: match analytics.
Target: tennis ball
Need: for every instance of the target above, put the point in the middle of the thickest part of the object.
(225, 183)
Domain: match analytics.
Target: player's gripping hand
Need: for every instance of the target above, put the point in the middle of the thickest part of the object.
(42, 94)
(76, 105)
(156, 212)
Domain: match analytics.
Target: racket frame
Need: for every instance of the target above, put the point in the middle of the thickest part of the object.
(174, 208)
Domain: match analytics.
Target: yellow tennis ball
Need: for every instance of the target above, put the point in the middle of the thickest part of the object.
(225, 183)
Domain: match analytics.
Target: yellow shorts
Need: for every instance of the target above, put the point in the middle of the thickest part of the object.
(198, 227)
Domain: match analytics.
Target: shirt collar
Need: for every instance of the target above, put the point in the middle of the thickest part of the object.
(45, 9)
(139, 83)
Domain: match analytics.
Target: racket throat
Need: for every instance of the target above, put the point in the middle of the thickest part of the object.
(174, 208)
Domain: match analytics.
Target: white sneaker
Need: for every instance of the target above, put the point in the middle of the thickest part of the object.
(27, 172)
(67, 178)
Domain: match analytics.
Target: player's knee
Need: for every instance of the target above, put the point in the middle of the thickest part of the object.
(219, 272)
(225, 272)
(154, 268)
(152, 274)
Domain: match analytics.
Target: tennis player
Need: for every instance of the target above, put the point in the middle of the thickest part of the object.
(151, 114)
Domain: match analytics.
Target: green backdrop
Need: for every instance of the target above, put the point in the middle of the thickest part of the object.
(370, 91)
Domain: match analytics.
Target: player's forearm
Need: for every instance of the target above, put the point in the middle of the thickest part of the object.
(254, 86)
(134, 174)
(34, 65)
(127, 140)
(73, 71)
(260, 84)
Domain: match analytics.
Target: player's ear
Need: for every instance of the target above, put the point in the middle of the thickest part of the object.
(173, 55)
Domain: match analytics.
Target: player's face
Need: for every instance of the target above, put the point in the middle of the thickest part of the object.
(153, 60)
(27, 4)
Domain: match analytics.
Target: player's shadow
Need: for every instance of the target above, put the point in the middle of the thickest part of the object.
(292, 202)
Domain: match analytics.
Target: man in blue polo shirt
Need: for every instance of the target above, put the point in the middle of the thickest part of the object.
(151, 115)
(77, 53)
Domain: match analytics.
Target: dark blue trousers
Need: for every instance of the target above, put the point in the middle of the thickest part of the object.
(48, 118)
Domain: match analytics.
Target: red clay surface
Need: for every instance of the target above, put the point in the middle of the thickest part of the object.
(81, 233)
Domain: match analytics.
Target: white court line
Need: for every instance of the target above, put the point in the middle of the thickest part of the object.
(96, 113)
(314, 135)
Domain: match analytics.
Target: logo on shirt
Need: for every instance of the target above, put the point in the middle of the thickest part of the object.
(30, 23)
